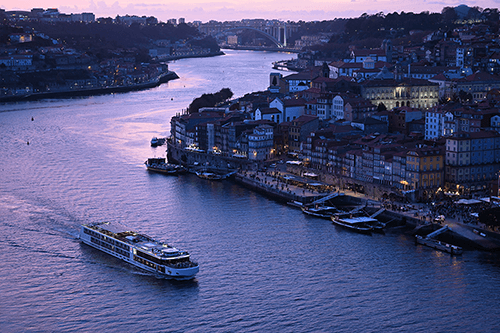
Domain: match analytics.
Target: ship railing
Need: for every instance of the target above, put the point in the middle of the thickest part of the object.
(185, 264)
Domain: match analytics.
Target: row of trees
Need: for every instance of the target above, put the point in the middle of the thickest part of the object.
(210, 100)
(368, 31)
(99, 35)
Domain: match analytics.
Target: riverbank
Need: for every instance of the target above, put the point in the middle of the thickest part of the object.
(91, 91)
(189, 56)
(260, 48)
(285, 184)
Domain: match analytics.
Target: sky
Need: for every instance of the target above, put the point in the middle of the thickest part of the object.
(234, 10)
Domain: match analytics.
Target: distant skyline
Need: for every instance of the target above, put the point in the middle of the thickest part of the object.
(234, 10)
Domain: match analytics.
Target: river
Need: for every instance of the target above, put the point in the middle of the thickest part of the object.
(264, 266)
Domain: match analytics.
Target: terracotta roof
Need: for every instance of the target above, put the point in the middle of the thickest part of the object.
(479, 76)
(365, 52)
(269, 111)
(350, 65)
(475, 135)
(304, 119)
(301, 76)
(439, 77)
(393, 82)
(322, 79)
(295, 102)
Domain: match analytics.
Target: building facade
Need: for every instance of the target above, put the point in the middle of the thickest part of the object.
(472, 160)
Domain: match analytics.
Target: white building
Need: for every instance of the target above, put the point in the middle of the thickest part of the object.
(300, 81)
(260, 143)
(460, 57)
(338, 107)
(17, 61)
(272, 114)
(434, 120)
(293, 108)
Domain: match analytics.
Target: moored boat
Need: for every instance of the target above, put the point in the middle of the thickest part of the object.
(324, 212)
(209, 175)
(159, 164)
(438, 245)
(378, 227)
(214, 174)
(155, 142)
(297, 204)
(361, 224)
(139, 250)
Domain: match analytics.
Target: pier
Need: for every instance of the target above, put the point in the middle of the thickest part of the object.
(288, 187)
(280, 186)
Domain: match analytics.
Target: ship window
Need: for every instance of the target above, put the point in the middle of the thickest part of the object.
(149, 257)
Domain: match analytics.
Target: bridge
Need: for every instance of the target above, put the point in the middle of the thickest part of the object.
(269, 36)
(275, 31)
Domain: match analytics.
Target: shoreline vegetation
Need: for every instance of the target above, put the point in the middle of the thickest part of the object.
(65, 91)
(45, 59)
(83, 91)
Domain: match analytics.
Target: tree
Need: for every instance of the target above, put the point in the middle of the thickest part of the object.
(381, 107)
(443, 100)
(464, 97)
(210, 100)
(449, 15)
(490, 216)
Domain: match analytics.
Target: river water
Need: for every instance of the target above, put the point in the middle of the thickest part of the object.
(263, 266)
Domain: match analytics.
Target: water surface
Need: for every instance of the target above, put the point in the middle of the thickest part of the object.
(263, 266)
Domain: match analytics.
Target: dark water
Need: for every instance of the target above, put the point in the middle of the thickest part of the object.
(264, 266)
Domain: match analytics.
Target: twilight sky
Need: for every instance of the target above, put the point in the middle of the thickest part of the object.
(229, 10)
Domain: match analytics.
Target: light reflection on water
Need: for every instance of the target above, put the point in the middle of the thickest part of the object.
(264, 266)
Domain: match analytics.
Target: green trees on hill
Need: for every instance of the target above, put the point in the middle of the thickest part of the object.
(210, 100)
(104, 36)
(83, 35)
(368, 31)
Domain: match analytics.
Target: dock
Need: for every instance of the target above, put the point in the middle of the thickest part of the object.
(288, 187)
(487, 242)
(280, 187)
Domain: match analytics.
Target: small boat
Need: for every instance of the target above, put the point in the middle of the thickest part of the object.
(379, 227)
(159, 164)
(325, 212)
(157, 141)
(361, 224)
(209, 175)
(297, 204)
(139, 250)
(438, 245)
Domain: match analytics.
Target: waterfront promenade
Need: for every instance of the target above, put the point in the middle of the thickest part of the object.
(283, 186)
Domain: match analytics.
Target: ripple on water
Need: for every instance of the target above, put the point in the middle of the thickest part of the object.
(264, 266)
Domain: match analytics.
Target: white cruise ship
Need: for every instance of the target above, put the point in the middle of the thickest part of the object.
(139, 250)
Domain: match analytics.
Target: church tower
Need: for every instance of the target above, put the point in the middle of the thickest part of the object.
(325, 70)
(387, 47)
(274, 82)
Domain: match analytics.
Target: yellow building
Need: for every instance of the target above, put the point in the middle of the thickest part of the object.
(425, 170)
